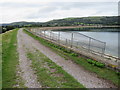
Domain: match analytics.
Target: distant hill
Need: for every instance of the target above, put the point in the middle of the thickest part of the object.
(4, 24)
(98, 20)
(23, 23)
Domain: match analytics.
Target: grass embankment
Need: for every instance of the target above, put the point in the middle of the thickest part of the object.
(0, 61)
(80, 60)
(49, 74)
(9, 59)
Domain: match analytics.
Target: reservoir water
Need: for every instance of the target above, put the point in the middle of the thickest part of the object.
(111, 39)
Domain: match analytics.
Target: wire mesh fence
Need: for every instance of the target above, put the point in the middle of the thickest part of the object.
(74, 40)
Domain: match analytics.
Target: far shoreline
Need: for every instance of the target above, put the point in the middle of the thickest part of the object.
(73, 27)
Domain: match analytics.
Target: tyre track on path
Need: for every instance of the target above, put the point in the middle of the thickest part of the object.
(27, 73)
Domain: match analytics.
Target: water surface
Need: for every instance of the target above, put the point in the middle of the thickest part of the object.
(111, 38)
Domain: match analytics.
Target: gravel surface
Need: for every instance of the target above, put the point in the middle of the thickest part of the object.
(27, 73)
(89, 80)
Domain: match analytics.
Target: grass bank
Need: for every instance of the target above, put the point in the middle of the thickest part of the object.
(9, 58)
(49, 74)
(0, 61)
(103, 72)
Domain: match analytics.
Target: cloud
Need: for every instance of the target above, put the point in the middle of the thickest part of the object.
(45, 11)
(48, 9)
(20, 4)
(38, 1)
(77, 9)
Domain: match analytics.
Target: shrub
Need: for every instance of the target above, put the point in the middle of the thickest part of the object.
(89, 61)
(96, 63)
(68, 51)
(74, 54)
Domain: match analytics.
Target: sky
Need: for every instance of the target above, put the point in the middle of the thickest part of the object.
(45, 10)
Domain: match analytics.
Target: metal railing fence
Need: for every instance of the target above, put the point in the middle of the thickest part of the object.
(74, 40)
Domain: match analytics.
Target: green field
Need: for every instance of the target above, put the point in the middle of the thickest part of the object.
(105, 73)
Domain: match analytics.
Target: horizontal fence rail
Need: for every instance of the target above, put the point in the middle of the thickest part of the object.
(71, 40)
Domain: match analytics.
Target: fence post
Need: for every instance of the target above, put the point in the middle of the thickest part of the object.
(103, 50)
(71, 40)
(44, 33)
(66, 41)
(89, 44)
(53, 36)
(50, 35)
(59, 37)
(40, 32)
(35, 31)
(77, 44)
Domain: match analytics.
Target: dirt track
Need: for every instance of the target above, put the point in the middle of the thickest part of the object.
(27, 74)
(89, 80)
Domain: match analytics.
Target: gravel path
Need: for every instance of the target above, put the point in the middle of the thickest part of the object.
(89, 80)
(27, 73)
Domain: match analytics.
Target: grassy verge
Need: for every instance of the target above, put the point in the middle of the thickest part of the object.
(0, 61)
(105, 73)
(49, 74)
(9, 59)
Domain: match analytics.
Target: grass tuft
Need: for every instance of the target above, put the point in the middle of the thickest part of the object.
(51, 75)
